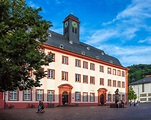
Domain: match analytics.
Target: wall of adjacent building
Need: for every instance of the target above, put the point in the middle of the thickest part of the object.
(143, 95)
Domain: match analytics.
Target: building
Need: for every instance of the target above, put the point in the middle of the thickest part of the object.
(80, 74)
(142, 89)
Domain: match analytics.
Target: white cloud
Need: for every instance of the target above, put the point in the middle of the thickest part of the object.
(129, 55)
(132, 25)
(101, 35)
(131, 20)
(147, 40)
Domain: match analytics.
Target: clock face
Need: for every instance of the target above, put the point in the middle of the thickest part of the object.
(74, 24)
(66, 23)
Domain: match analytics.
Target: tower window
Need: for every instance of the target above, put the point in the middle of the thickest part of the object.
(66, 30)
(74, 30)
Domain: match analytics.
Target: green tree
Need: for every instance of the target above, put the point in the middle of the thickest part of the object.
(131, 94)
(22, 33)
(139, 71)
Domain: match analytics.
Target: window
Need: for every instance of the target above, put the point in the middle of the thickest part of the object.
(77, 96)
(27, 95)
(65, 60)
(123, 84)
(123, 97)
(85, 64)
(51, 55)
(119, 73)
(77, 77)
(114, 71)
(119, 97)
(51, 74)
(74, 30)
(85, 79)
(142, 87)
(92, 66)
(123, 74)
(101, 68)
(39, 95)
(13, 95)
(77, 63)
(114, 83)
(119, 83)
(109, 97)
(50, 95)
(53, 59)
(109, 82)
(64, 75)
(92, 80)
(114, 97)
(85, 97)
(66, 30)
(92, 97)
(101, 81)
(109, 70)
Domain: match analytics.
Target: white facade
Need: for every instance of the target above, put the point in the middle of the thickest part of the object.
(143, 92)
(80, 73)
(85, 89)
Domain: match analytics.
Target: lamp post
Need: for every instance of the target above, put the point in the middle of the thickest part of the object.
(138, 92)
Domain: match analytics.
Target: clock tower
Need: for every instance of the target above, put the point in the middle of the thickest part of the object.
(71, 28)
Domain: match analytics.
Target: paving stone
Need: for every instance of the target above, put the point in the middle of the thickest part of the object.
(142, 112)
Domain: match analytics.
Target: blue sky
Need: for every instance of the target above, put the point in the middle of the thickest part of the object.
(122, 28)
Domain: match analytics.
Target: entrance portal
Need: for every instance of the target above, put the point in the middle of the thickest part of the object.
(65, 94)
(102, 99)
(64, 98)
(102, 96)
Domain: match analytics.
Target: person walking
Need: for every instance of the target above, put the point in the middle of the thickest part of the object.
(40, 107)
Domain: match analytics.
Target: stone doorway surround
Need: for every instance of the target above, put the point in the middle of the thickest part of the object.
(101, 92)
(65, 88)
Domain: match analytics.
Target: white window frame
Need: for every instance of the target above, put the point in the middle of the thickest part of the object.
(92, 97)
(27, 95)
(77, 96)
(85, 97)
(13, 95)
(51, 95)
(39, 95)
(51, 73)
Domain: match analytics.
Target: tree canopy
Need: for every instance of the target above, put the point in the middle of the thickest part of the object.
(139, 71)
(22, 33)
(131, 94)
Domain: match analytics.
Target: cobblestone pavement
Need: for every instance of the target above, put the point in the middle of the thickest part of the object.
(143, 112)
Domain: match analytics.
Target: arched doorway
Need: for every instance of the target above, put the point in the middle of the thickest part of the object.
(102, 99)
(64, 98)
(65, 91)
(102, 96)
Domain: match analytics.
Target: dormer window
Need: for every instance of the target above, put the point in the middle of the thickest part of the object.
(83, 53)
(61, 46)
(102, 53)
(49, 34)
(111, 61)
(71, 42)
(88, 48)
(97, 57)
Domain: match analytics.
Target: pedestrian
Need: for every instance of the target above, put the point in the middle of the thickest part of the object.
(122, 104)
(40, 107)
(134, 103)
(130, 103)
(137, 103)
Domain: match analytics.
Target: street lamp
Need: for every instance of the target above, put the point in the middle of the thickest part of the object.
(138, 92)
